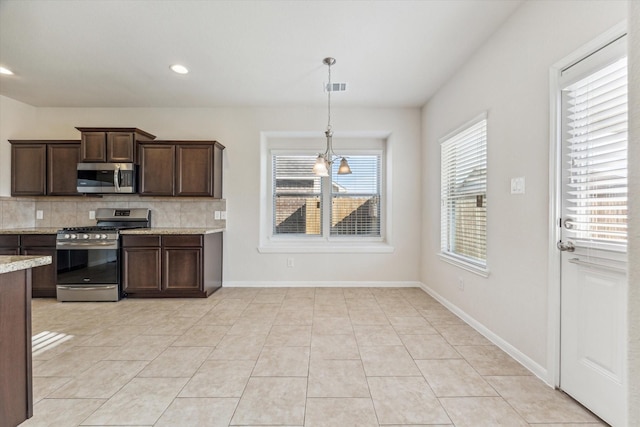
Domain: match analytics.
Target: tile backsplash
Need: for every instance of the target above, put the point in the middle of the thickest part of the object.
(74, 211)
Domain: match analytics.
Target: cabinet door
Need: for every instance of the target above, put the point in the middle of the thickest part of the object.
(9, 244)
(61, 169)
(156, 169)
(182, 269)
(141, 270)
(120, 147)
(194, 170)
(217, 171)
(93, 147)
(43, 279)
(28, 169)
(9, 251)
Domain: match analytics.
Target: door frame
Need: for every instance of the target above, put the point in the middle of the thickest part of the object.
(555, 194)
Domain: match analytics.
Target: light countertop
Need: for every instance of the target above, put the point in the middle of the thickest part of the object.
(39, 230)
(9, 263)
(152, 230)
(176, 230)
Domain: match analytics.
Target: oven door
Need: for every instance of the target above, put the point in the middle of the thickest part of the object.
(88, 274)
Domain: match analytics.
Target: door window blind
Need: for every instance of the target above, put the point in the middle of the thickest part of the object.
(596, 150)
(355, 198)
(297, 196)
(464, 194)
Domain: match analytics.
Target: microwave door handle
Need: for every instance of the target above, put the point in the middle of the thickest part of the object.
(116, 178)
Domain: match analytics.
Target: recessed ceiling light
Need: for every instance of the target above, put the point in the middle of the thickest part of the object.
(180, 69)
(6, 71)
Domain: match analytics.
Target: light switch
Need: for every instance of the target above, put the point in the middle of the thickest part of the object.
(216, 215)
(39, 214)
(92, 214)
(517, 185)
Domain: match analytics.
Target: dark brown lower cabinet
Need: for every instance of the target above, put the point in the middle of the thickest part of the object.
(44, 278)
(9, 244)
(172, 265)
(16, 395)
(141, 258)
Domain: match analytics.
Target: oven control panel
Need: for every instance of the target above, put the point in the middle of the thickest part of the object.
(82, 238)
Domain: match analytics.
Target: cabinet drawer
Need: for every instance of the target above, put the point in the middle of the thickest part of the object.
(140, 241)
(9, 241)
(191, 240)
(39, 240)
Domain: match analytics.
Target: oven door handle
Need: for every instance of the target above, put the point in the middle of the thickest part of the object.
(85, 288)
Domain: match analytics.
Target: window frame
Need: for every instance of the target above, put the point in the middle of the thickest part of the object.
(324, 243)
(460, 260)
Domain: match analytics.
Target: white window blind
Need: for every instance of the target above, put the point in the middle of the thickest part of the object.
(297, 196)
(596, 126)
(355, 198)
(463, 183)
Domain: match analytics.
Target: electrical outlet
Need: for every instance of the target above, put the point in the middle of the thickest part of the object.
(92, 214)
(461, 283)
(39, 214)
(223, 215)
(290, 262)
(216, 215)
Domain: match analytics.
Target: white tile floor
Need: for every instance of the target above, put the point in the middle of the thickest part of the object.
(280, 356)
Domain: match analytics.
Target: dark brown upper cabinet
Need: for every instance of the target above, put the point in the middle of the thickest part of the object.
(61, 169)
(181, 168)
(40, 168)
(157, 169)
(111, 145)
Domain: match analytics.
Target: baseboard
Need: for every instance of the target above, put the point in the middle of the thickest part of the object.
(320, 284)
(516, 354)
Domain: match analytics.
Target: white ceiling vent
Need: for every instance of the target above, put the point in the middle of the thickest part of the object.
(335, 87)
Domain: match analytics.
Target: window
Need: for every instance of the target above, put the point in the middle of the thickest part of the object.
(595, 110)
(355, 198)
(339, 206)
(463, 168)
(297, 196)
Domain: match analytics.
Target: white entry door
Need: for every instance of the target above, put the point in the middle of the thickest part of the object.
(594, 229)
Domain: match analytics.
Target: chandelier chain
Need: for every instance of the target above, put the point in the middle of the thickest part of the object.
(329, 98)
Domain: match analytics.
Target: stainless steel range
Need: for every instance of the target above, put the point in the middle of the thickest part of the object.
(89, 257)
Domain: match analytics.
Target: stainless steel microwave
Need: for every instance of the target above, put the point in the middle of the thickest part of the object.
(106, 178)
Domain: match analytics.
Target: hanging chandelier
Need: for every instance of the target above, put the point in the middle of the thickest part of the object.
(326, 159)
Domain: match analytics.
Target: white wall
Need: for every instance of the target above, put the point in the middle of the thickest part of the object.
(16, 120)
(239, 130)
(634, 218)
(508, 77)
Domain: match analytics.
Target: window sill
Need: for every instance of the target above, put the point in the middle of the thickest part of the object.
(326, 247)
(480, 271)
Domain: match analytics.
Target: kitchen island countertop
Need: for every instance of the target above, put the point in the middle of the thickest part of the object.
(9, 263)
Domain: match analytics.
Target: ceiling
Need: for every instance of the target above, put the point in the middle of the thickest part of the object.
(117, 53)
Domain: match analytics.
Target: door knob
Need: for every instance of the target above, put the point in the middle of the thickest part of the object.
(566, 247)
